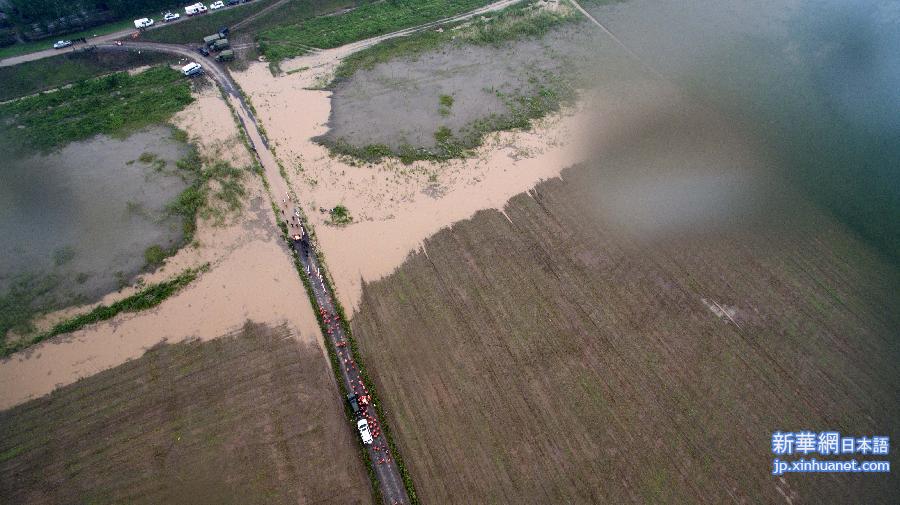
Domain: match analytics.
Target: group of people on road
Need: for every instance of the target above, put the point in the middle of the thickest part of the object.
(345, 357)
(332, 323)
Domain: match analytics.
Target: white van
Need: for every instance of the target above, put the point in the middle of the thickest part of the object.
(363, 426)
(197, 8)
(192, 69)
(143, 23)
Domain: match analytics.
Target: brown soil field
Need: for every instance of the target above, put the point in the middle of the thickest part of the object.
(252, 417)
(544, 355)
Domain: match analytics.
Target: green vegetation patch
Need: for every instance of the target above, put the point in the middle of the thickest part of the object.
(340, 215)
(51, 73)
(217, 191)
(114, 105)
(446, 103)
(366, 21)
(148, 297)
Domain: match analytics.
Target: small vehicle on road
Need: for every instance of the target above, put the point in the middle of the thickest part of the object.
(216, 5)
(363, 426)
(170, 16)
(192, 69)
(197, 8)
(353, 401)
(143, 23)
(232, 2)
(202, 50)
(59, 44)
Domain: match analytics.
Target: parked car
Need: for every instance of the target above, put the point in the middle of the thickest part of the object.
(59, 44)
(171, 16)
(192, 69)
(363, 426)
(143, 23)
(197, 8)
(202, 50)
(216, 5)
(232, 2)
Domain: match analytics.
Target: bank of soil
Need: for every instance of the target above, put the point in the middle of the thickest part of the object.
(398, 104)
(251, 417)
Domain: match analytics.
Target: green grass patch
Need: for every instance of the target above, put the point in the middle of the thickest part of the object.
(11, 453)
(154, 256)
(445, 103)
(149, 297)
(340, 215)
(217, 191)
(51, 73)
(116, 104)
(366, 21)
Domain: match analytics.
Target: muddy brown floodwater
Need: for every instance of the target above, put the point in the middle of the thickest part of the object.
(396, 206)
(251, 277)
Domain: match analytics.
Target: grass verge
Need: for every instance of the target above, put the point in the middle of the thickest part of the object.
(146, 298)
(51, 73)
(116, 104)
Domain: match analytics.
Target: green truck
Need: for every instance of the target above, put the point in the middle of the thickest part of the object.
(226, 55)
(209, 40)
(220, 45)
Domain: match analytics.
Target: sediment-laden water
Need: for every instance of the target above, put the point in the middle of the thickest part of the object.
(75, 223)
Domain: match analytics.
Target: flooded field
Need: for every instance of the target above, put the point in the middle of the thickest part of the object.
(76, 223)
(404, 102)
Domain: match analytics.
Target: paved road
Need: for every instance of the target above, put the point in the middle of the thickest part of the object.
(121, 34)
(392, 488)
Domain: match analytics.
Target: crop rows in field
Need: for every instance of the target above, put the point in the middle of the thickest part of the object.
(537, 356)
(248, 418)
